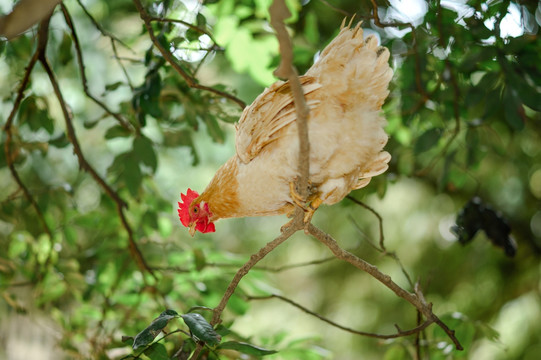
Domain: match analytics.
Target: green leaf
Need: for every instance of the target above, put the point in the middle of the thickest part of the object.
(60, 141)
(117, 131)
(33, 112)
(311, 30)
(148, 335)
(157, 352)
(181, 138)
(64, 50)
(132, 175)
(150, 219)
(214, 129)
(445, 173)
(246, 348)
(142, 146)
(427, 140)
(473, 151)
(113, 86)
(201, 329)
(199, 259)
(512, 106)
(396, 352)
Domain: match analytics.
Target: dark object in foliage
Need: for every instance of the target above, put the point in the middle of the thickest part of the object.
(477, 216)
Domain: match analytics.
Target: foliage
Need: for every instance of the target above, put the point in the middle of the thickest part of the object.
(90, 174)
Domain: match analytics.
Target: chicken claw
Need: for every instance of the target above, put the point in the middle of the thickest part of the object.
(311, 209)
(308, 207)
(296, 197)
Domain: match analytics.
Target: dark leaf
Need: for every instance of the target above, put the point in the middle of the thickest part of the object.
(427, 140)
(473, 151)
(444, 177)
(150, 219)
(192, 34)
(213, 128)
(113, 86)
(246, 348)
(512, 106)
(132, 175)
(64, 50)
(201, 21)
(199, 259)
(144, 151)
(201, 329)
(60, 141)
(157, 352)
(117, 131)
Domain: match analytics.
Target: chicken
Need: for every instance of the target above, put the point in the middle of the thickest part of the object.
(344, 90)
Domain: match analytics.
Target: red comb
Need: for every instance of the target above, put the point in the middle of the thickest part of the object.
(184, 206)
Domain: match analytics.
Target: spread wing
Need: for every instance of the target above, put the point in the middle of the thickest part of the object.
(274, 109)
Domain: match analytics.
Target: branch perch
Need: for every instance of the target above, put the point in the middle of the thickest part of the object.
(279, 12)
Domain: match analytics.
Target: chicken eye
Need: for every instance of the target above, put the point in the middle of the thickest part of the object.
(195, 210)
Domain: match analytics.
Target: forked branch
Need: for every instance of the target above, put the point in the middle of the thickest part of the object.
(279, 13)
(416, 299)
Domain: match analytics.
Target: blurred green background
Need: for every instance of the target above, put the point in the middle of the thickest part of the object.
(463, 120)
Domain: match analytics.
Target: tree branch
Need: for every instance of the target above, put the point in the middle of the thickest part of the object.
(416, 299)
(114, 40)
(191, 82)
(10, 157)
(185, 23)
(123, 122)
(85, 165)
(399, 333)
(382, 248)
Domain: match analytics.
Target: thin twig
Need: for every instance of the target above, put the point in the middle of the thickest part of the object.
(416, 299)
(377, 215)
(191, 82)
(113, 39)
(294, 266)
(399, 333)
(101, 29)
(382, 248)
(341, 11)
(185, 23)
(123, 122)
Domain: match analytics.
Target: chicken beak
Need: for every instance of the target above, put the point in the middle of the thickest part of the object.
(192, 229)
